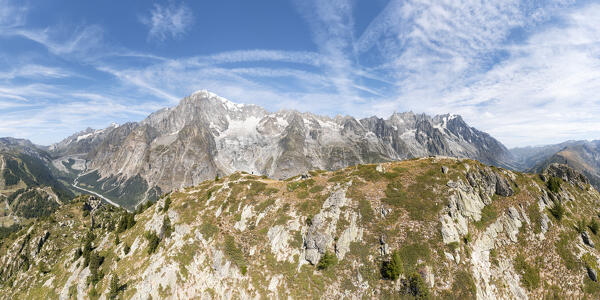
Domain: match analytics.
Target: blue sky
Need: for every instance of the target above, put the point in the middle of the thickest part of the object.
(527, 72)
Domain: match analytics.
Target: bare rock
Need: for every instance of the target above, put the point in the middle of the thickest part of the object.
(567, 174)
(444, 170)
(320, 235)
(586, 239)
(592, 274)
(351, 234)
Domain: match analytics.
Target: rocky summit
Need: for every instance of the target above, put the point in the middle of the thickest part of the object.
(421, 228)
(207, 136)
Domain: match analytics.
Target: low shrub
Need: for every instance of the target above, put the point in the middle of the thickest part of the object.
(167, 204)
(580, 225)
(557, 210)
(594, 226)
(328, 260)
(530, 275)
(393, 268)
(235, 254)
(554, 184)
(153, 241)
(415, 286)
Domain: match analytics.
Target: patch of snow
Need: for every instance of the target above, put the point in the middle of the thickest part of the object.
(245, 127)
(84, 136)
(409, 133)
(281, 122)
(231, 106)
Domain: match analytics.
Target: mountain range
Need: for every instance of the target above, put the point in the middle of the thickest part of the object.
(206, 136)
(213, 199)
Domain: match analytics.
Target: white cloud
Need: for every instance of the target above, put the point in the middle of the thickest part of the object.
(168, 21)
(12, 14)
(34, 71)
(44, 121)
(537, 86)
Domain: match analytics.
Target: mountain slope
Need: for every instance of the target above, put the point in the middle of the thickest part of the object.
(432, 227)
(207, 136)
(28, 187)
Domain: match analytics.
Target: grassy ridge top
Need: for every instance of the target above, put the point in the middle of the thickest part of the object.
(322, 233)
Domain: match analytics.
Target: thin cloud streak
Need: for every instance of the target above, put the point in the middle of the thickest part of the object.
(168, 21)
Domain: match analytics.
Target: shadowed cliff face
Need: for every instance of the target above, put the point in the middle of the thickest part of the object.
(206, 135)
(428, 228)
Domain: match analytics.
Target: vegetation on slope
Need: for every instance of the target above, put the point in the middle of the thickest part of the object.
(378, 227)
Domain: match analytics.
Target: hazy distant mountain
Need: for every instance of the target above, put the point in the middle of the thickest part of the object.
(583, 156)
(81, 142)
(206, 135)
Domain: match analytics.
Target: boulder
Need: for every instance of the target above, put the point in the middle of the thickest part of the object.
(592, 274)
(586, 239)
(444, 170)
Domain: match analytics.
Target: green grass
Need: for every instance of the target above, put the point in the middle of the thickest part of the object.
(557, 210)
(338, 178)
(410, 254)
(302, 194)
(303, 184)
(208, 230)
(562, 248)
(554, 184)
(494, 257)
(419, 199)
(327, 261)
(316, 189)
(263, 205)
(235, 254)
(536, 217)
(368, 172)
(365, 210)
(463, 287)
(530, 274)
(489, 214)
(593, 225)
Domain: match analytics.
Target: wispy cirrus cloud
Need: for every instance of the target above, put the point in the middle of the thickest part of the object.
(498, 63)
(12, 14)
(168, 21)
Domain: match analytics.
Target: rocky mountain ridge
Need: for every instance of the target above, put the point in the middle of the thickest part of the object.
(422, 228)
(207, 136)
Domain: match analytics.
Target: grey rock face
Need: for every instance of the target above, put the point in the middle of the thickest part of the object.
(468, 200)
(492, 182)
(320, 235)
(567, 174)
